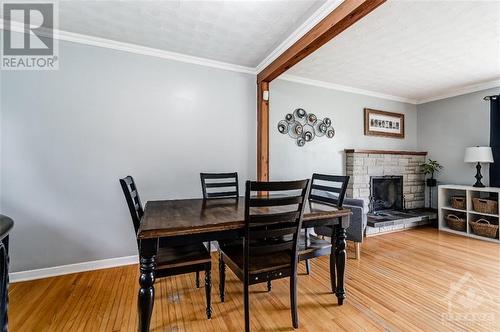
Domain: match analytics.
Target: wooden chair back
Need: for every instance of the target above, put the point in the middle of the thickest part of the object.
(272, 222)
(212, 183)
(133, 201)
(329, 189)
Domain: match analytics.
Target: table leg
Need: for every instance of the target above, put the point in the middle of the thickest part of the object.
(146, 296)
(333, 253)
(340, 260)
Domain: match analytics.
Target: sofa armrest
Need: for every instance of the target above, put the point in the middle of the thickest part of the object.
(357, 225)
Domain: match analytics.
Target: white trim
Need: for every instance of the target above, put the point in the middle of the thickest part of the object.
(327, 85)
(462, 91)
(314, 19)
(137, 49)
(72, 268)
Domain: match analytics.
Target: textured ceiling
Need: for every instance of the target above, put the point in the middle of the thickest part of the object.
(237, 32)
(413, 49)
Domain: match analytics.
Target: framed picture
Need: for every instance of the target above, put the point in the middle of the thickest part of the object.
(386, 124)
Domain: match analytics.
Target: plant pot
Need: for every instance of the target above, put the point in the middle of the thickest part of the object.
(431, 182)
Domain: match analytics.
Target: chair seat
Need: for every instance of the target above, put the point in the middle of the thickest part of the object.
(170, 257)
(316, 247)
(258, 263)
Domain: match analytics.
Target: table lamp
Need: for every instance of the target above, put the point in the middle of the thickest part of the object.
(478, 154)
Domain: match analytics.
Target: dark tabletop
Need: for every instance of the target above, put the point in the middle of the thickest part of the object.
(191, 216)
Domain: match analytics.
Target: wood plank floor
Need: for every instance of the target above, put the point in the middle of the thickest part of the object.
(401, 283)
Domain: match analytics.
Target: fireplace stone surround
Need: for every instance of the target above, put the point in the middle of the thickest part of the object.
(361, 165)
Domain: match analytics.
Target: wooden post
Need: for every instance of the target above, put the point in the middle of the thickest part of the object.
(341, 18)
(262, 133)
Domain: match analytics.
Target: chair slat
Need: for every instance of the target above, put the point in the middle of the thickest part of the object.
(332, 178)
(222, 194)
(323, 199)
(274, 217)
(326, 188)
(275, 201)
(220, 184)
(219, 175)
(270, 233)
(278, 186)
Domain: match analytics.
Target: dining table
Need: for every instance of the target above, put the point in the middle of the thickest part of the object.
(180, 221)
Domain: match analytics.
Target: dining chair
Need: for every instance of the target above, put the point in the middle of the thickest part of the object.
(215, 185)
(171, 260)
(269, 249)
(325, 189)
(218, 186)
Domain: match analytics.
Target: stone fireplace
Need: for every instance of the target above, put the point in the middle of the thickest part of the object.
(362, 165)
(388, 181)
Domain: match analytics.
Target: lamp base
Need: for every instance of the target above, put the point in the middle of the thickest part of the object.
(478, 177)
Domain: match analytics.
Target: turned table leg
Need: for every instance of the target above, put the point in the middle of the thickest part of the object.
(146, 296)
(340, 258)
(333, 261)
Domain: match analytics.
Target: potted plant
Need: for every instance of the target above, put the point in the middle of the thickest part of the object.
(431, 167)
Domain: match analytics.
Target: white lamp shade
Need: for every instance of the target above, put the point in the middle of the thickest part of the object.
(478, 154)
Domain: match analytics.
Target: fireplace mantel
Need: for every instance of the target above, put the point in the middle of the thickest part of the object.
(396, 152)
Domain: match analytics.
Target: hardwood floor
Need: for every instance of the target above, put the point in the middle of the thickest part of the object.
(401, 283)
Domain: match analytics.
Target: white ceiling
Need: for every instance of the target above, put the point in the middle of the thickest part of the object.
(407, 50)
(236, 32)
(413, 49)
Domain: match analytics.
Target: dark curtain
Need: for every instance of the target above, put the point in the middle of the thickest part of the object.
(495, 140)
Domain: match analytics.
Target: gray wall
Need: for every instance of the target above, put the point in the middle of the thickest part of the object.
(67, 137)
(446, 127)
(287, 160)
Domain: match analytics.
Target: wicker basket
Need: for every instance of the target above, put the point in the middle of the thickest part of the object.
(455, 223)
(482, 227)
(484, 205)
(458, 202)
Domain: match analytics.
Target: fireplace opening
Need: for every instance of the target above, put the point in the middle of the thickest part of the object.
(386, 193)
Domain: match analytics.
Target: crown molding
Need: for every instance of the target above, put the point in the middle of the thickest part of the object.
(314, 19)
(136, 49)
(338, 87)
(317, 16)
(462, 91)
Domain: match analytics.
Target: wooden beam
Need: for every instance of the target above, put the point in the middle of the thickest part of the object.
(262, 133)
(345, 15)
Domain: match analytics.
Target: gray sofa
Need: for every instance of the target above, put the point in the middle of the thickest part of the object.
(357, 226)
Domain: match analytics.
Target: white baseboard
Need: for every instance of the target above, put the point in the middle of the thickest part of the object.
(72, 268)
(79, 267)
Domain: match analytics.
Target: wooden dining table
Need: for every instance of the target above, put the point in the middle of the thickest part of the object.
(182, 221)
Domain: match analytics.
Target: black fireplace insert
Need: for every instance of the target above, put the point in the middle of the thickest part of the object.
(386, 193)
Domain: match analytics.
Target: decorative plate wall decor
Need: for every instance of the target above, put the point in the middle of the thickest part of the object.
(303, 127)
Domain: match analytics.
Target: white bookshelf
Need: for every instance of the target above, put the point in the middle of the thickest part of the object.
(445, 192)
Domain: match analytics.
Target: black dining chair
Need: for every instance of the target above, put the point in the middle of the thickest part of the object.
(171, 260)
(325, 189)
(269, 249)
(219, 185)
